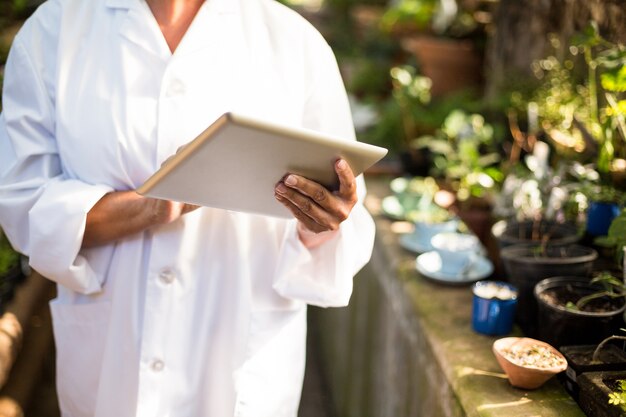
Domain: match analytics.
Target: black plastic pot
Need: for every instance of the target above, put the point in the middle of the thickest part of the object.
(580, 361)
(561, 326)
(526, 265)
(512, 232)
(595, 388)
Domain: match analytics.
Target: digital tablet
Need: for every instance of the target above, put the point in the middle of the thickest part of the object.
(238, 160)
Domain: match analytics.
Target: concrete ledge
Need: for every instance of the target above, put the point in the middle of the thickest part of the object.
(405, 347)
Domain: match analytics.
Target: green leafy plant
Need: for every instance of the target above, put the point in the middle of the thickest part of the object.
(418, 13)
(465, 154)
(411, 93)
(9, 258)
(611, 287)
(606, 194)
(616, 237)
(411, 112)
(420, 194)
(579, 101)
(606, 61)
(618, 398)
(444, 18)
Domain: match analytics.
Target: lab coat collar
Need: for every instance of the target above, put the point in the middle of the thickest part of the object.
(138, 27)
(121, 4)
(222, 6)
(135, 26)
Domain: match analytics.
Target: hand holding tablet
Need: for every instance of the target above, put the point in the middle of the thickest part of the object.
(250, 156)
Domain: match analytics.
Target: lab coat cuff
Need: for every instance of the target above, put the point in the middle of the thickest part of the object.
(57, 224)
(322, 276)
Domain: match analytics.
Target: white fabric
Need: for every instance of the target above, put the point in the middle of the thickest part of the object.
(204, 317)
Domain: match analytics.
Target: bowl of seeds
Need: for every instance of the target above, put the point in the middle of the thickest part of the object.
(528, 363)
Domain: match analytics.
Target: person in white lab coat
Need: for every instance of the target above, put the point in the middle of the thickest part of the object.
(166, 309)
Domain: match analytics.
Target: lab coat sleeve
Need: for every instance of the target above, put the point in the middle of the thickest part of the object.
(42, 212)
(323, 275)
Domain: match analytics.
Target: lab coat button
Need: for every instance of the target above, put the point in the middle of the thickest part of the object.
(167, 276)
(176, 88)
(157, 365)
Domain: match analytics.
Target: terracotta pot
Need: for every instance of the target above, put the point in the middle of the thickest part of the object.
(478, 219)
(366, 18)
(526, 377)
(451, 64)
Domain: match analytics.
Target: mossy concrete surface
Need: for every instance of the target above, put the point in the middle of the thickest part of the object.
(405, 347)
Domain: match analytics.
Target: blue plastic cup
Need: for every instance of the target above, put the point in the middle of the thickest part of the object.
(493, 307)
(599, 217)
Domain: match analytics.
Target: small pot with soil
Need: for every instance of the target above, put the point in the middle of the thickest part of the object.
(526, 265)
(590, 358)
(513, 232)
(565, 320)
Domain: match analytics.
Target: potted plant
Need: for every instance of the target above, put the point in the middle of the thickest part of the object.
(410, 95)
(534, 204)
(515, 232)
(578, 313)
(574, 310)
(465, 156)
(411, 112)
(413, 198)
(526, 265)
(451, 64)
(407, 17)
(443, 36)
(603, 202)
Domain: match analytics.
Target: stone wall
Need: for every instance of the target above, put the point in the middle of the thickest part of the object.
(378, 362)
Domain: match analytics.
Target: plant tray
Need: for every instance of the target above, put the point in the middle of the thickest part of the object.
(579, 361)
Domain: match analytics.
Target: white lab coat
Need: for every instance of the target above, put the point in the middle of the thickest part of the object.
(204, 317)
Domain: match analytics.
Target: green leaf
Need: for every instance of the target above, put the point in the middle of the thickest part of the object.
(617, 230)
(614, 80)
(588, 37)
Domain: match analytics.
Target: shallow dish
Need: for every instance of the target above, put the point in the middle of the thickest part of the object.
(414, 243)
(429, 265)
